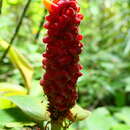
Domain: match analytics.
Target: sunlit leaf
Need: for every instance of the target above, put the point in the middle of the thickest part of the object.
(20, 62)
(32, 106)
(123, 115)
(121, 127)
(8, 89)
(100, 119)
(78, 113)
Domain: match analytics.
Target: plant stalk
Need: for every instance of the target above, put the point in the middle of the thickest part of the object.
(56, 125)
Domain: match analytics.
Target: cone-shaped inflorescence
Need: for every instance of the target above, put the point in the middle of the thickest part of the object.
(62, 56)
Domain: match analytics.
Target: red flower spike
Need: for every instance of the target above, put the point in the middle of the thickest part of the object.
(62, 56)
(79, 37)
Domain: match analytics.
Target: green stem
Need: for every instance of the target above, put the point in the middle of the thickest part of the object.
(41, 125)
(55, 125)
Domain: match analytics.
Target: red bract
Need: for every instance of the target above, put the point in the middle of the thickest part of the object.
(61, 57)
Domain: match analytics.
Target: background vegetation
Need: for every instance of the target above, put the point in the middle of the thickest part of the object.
(105, 87)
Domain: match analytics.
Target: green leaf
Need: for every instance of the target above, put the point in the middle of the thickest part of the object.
(14, 117)
(78, 113)
(7, 89)
(32, 106)
(20, 62)
(123, 115)
(121, 127)
(100, 119)
(36, 89)
(120, 98)
(5, 103)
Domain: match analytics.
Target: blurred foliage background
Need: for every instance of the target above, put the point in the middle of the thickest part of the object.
(104, 88)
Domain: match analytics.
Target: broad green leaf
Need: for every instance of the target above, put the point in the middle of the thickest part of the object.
(7, 89)
(120, 98)
(36, 89)
(5, 103)
(20, 62)
(13, 2)
(79, 113)
(100, 119)
(14, 117)
(123, 115)
(121, 127)
(32, 106)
